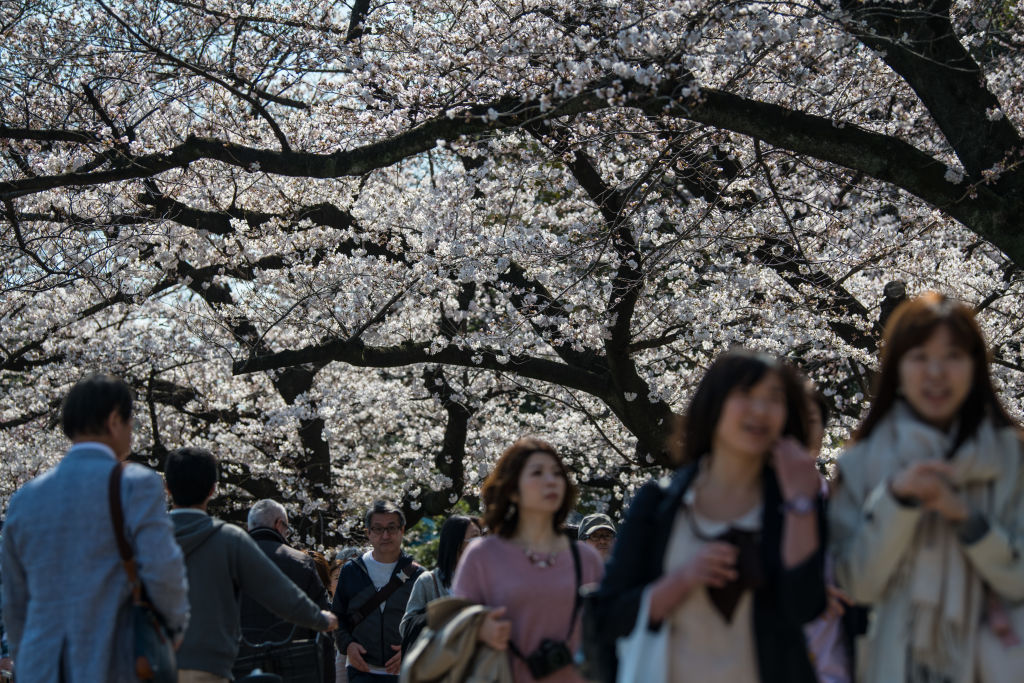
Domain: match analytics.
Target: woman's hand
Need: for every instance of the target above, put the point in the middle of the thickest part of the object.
(928, 482)
(838, 601)
(714, 565)
(799, 481)
(795, 469)
(495, 631)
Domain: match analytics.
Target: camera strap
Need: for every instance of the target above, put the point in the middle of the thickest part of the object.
(576, 601)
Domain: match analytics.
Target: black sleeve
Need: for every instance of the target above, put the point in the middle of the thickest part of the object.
(314, 587)
(342, 637)
(611, 610)
(802, 595)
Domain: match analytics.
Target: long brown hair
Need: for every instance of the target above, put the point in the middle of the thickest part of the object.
(323, 567)
(500, 515)
(911, 324)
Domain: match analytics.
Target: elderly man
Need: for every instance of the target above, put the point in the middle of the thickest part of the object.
(268, 526)
(66, 596)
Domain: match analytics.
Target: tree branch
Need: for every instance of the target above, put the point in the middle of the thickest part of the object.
(980, 207)
(360, 8)
(917, 40)
(358, 354)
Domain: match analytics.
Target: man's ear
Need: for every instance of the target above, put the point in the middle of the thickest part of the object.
(212, 493)
(108, 424)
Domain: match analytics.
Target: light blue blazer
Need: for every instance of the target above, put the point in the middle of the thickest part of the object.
(65, 593)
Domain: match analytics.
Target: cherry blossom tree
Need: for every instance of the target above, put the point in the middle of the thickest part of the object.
(357, 248)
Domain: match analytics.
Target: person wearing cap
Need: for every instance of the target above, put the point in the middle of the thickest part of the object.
(598, 530)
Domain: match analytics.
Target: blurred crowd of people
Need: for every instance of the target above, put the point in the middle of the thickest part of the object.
(744, 565)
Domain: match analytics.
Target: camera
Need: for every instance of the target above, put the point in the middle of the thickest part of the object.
(549, 657)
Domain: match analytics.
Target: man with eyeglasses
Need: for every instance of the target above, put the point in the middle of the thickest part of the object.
(371, 596)
(598, 530)
(268, 526)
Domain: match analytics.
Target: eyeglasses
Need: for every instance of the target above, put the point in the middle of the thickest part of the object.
(390, 530)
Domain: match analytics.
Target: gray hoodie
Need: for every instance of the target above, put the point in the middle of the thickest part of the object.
(223, 560)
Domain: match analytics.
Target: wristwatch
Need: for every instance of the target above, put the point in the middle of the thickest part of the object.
(799, 505)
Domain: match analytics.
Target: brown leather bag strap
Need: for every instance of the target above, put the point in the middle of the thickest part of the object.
(117, 519)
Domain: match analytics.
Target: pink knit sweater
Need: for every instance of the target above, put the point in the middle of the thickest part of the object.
(496, 572)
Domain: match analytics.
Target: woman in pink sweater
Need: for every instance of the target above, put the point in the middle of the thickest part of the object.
(528, 570)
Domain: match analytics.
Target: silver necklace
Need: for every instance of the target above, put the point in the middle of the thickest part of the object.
(542, 560)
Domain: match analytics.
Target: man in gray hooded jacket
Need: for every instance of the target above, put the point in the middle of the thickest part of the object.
(222, 560)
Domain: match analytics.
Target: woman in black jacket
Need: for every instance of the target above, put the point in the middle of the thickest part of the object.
(730, 550)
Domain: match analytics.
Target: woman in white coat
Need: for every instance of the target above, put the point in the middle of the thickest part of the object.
(928, 512)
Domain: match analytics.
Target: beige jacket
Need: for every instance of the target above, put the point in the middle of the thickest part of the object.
(878, 543)
(448, 650)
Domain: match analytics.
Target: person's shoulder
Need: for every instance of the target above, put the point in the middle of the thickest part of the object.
(21, 497)
(492, 543)
(408, 564)
(354, 577)
(238, 542)
(32, 489)
(650, 495)
(140, 483)
(483, 549)
(353, 567)
(300, 557)
(136, 473)
(589, 555)
(233, 532)
(424, 582)
(856, 460)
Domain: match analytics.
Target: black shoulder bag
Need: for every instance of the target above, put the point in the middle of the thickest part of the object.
(355, 616)
(553, 655)
(153, 644)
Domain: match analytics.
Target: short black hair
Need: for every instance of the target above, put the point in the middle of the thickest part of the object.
(91, 401)
(384, 507)
(190, 474)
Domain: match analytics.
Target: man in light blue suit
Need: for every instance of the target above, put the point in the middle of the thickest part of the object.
(66, 596)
